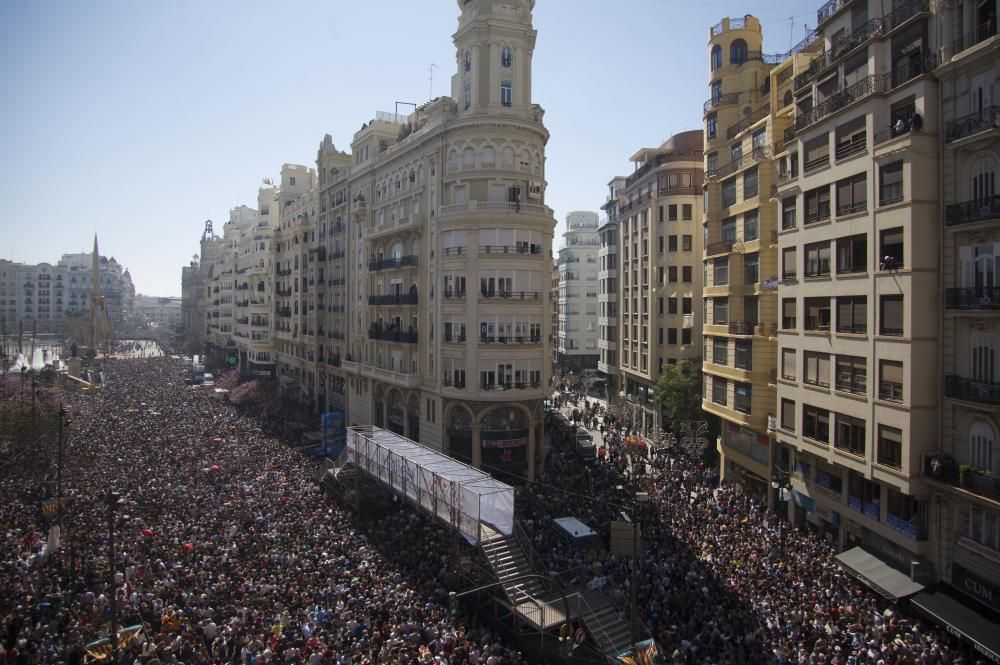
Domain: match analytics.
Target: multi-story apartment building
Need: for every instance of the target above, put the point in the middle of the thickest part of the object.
(607, 291)
(858, 191)
(369, 301)
(160, 312)
(192, 308)
(51, 298)
(740, 249)
(578, 270)
(963, 469)
(223, 281)
(554, 330)
(660, 247)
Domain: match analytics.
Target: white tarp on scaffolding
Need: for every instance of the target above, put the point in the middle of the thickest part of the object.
(458, 494)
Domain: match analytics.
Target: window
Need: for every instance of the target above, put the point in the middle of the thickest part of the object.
(981, 446)
(788, 314)
(720, 350)
(890, 183)
(686, 305)
(686, 243)
(759, 140)
(737, 52)
(672, 212)
(816, 368)
(671, 336)
(720, 268)
(468, 61)
(817, 203)
(789, 272)
(672, 243)
(742, 397)
(751, 268)
(716, 57)
(980, 525)
(743, 354)
(852, 314)
(659, 335)
(890, 381)
(788, 367)
(852, 254)
(891, 315)
(712, 126)
(671, 306)
(852, 374)
(671, 273)
(506, 56)
(891, 253)
(816, 423)
(716, 91)
(685, 336)
(817, 313)
(788, 212)
(788, 415)
(467, 94)
(850, 435)
(729, 193)
(506, 93)
(750, 184)
(719, 390)
(817, 257)
(711, 166)
(751, 229)
(720, 311)
(660, 217)
(687, 211)
(984, 177)
(736, 153)
(729, 230)
(852, 194)
(686, 274)
(890, 446)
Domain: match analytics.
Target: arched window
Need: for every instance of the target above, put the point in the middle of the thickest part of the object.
(489, 155)
(737, 52)
(468, 157)
(981, 446)
(983, 358)
(468, 60)
(508, 156)
(984, 179)
(716, 57)
(397, 251)
(506, 57)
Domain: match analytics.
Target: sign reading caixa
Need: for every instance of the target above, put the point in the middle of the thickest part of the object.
(979, 588)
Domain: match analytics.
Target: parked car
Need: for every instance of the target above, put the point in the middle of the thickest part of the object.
(586, 449)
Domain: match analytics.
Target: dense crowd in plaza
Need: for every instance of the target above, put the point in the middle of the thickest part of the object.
(716, 584)
(226, 549)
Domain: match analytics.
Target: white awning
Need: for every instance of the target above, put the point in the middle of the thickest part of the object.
(877, 574)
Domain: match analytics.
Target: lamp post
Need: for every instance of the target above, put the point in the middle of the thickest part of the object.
(113, 499)
(781, 483)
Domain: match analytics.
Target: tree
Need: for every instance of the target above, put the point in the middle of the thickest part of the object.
(678, 392)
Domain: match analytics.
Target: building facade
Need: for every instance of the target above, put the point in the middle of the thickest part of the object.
(386, 255)
(660, 247)
(608, 286)
(578, 332)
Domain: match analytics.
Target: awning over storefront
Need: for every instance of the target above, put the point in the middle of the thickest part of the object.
(960, 619)
(877, 574)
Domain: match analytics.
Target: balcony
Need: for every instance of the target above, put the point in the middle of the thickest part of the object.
(453, 339)
(520, 248)
(748, 121)
(825, 12)
(907, 527)
(393, 299)
(980, 34)
(449, 382)
(451, 294)
(849, 148)
(716, 101)
(972, 298)
(393, 263)
(511, 295)
(496, 207)
(745, 328)
(511, 385)
(980, 121)
(968, 390)
(721, 247)
(510, 339)
(969, 212)
(333, 361)
(871, 84)
(845, 45)
(754, 156)
(973, 479)
(386, 335)
(911, 69)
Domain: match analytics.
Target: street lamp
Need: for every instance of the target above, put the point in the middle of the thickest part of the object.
(781, 483)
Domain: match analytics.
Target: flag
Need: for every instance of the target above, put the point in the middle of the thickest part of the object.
(50, 507)
(267, 181)
(101, 649)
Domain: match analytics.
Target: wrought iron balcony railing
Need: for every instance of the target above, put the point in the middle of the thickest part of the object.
(972, 297)
(974, 123)
(968, 212)
(984, 392)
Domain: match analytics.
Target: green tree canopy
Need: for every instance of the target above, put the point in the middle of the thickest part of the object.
(679, 391)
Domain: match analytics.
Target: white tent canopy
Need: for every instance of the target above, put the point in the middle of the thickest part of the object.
(458, 494)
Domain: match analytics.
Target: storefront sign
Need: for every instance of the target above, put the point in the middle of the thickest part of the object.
(979, 588)
(831, 516)
(505, 443)
(981, 550)
(890, 549)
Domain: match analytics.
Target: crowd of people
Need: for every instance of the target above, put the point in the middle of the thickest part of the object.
(715, 584)
(226, 550)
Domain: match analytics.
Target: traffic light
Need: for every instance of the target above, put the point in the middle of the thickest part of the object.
(453, 603)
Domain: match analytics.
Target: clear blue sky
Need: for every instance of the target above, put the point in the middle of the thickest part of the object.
(140, 120)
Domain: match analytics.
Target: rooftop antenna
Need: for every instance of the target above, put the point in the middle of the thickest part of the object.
(430, 91)
(791, 32)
